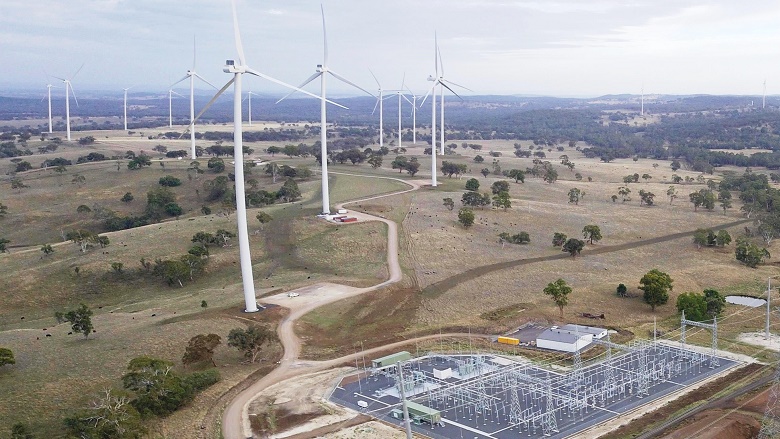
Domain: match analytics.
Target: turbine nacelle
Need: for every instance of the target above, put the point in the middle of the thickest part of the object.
(231, 67)
(431, 78)
(320, 69)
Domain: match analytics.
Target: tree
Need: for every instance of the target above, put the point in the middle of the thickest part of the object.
(575, 195)
(17, 183)
(449, 168)
(78, 179)
(592, 233)
(399, 163)
(724, 197)
(646, 177)
(3, 210)
(656, 285)
(624, 193)
(375, 161)
(263, 218)
(6, 357)
(118, 267)
(499, 186)
(472, 184)
(701, 237)
(694, 305)
(550, 175)
(80, 320)
(449, 204)
(88, 140)
(478, 159)
(250, 341)
(558, 239)
(201, 348)
(273, 150)
(127, 197)
(671, 193)
(517, 175)
(466, 217)
(646, 197)
(3, 245)
(621, 290)
(715, 303)
(47, 249)
(412, 167)
(485, 172)
(723, 238)
(289, 192)
(502, 201)
(111, 415)
(749, 253)
(216, 164)
(475, 199)
(23, 166)
(573, 246)
(675, 165)
(559, 292)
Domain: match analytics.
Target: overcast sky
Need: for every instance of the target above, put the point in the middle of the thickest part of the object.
(538, 47)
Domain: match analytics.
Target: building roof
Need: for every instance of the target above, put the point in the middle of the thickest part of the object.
(582, 330)
(559, 336)
(419, 408)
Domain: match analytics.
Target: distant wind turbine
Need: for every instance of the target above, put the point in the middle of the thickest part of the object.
(380, 102)
(49, 87)
(322, 71)
(414, 114)
(191, 75)
(128, 88)
(443, 83)
(249, 98)
(238, 70)
(69, 91)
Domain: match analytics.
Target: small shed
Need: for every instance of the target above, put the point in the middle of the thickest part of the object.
(581, 329)
(418, 413)
(563, 341)
(391, 359)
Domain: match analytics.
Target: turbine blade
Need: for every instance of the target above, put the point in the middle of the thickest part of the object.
(77, 71)
(204, 80)
(375, 106)
(427, 94)
(180, 80)
(347, 81)
(441, 63)
(377, 81)
(457, 85)
(73, 92)
(436, 52)
(284, 84)
(237, 35)
(57, 77)
(211, 102)
(304, 84)
(407, 99)
(194, 53)
(403, 82)
(324, 37)
(448, 88)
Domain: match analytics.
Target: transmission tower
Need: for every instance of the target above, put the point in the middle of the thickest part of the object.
(770, 425)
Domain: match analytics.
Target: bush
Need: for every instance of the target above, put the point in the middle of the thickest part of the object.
(169, 181)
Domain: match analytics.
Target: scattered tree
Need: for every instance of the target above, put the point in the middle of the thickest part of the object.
(6, 357)
(472, 184)
(263, 218)
(592, 233)
(621, 290)
(575, 195)
(47, 249)
(558, 239)
(656, 286)
(21, 431)
(573, 246)
(749, 253)
(485, 172)
(250, 341)
(127, 197)
(502, 200)
(200, 349)
(559, 292)
(499, 186)
(466, 217)
(449, 204)
(80, 320)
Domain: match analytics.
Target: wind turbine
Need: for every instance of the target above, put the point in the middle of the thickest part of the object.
(68, 92)
(414, 114)
(443, 83)
(321, 72)
(239, 69)
(249, 98)
(380, 103)
(401, 95)
(191, 75)
(432, 92)
(170, 106)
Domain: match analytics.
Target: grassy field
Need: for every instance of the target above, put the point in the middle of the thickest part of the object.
(136, 314)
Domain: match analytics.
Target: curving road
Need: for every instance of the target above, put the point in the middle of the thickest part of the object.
(235, 419)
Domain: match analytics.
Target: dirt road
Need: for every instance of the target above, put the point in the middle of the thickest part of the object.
(235, 421)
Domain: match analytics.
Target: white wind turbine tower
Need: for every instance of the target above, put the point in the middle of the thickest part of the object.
(249, 98)
(69, 91)
(400, 97)
(414, 114)
(191, 75)
(322, 71)
(128, 88)
(170, 106)
(48, 87)
(432, 92)
(763, 103)
(238, 69)
(380, 103)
